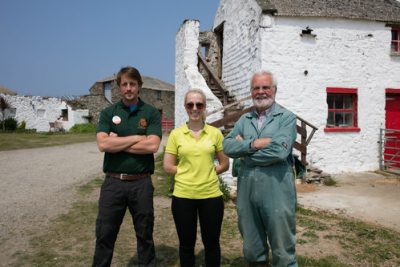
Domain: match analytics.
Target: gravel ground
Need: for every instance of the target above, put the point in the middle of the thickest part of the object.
(37, 186)
(368, 196)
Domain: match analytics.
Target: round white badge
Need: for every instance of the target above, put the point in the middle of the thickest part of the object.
(116, 120)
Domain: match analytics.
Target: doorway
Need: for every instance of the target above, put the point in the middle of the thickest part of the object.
(392, 131)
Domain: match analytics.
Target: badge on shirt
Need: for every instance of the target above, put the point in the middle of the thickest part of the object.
(284, 145)
(142, 123)
(116, 120)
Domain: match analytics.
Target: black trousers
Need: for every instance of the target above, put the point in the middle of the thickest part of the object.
(210, 212)
(115, 197)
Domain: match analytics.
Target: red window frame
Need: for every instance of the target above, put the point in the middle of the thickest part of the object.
(395, 45)
(336, 93)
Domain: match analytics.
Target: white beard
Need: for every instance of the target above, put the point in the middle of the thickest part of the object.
(263, 103)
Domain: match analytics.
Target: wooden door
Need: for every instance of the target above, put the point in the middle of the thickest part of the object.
(392, 136)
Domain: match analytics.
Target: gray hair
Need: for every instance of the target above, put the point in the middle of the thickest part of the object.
(261, 73)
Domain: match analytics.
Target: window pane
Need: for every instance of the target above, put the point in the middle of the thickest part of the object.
(330, 101)
(395, 47)
(348, 119)
(339, 120)
(339, 101)
(395, 35)
(330, 123)
(347, 101)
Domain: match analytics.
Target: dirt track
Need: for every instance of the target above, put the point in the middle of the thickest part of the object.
(37, 186)
(367, 196)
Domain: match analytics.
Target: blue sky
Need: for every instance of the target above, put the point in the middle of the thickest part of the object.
(61, 47)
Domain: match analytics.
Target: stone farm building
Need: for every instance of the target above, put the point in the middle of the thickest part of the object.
(43, 113)
(337, 64)
(154, 91)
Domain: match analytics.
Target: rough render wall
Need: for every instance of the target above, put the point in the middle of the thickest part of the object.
(187, 75)
(341, 55)
(240, 44)
(29, 109)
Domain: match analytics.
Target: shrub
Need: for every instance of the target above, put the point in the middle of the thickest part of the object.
(10, 124)
(83, 128)
(22, 125)
(224, 189)
(329, 181)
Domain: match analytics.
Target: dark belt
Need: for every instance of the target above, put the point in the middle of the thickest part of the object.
(127, 177)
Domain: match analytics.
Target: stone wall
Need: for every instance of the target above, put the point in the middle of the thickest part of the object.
(95, 104)
(344, 53)
(162, 100)
(241, 43)
(187, 75)
(38, 112)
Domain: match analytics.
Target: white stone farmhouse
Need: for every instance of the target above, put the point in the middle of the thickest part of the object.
(40, 113)
(337, 64)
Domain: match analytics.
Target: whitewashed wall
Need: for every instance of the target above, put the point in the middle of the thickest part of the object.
(38, 111)
(77, 116)
(187, 75)
(344, 53)
(241, 44)
(341, 55)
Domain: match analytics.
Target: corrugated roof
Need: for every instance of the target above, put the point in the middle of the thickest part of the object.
(375, 10)
(148, 83)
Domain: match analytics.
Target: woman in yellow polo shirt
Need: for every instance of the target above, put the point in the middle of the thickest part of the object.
(189, 154)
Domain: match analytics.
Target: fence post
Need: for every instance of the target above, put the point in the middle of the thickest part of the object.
(381, 149)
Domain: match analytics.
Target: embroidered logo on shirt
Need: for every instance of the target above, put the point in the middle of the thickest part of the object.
(284, 145)
(116, 120)
(142, 123)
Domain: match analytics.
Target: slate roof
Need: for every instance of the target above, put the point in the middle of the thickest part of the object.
(375, 10)
(148, 83)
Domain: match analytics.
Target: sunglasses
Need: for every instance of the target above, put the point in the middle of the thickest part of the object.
(191, 105)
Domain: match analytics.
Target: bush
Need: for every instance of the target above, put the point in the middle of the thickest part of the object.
(224, 189)
(22, 125)
(10, 124)
(83, 128)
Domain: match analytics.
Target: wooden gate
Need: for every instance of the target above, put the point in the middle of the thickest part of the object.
(389, 150)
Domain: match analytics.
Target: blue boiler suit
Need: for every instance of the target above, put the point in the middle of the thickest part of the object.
(266, 197)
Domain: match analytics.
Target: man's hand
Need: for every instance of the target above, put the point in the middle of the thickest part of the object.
(261, 143)
(239, 137)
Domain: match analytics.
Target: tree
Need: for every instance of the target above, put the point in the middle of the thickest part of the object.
(3, 106)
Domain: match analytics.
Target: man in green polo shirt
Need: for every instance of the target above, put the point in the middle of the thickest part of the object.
(129, 132)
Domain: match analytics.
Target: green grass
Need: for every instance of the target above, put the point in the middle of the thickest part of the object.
(12, 141)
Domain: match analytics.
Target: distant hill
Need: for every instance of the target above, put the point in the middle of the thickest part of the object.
(6, 91)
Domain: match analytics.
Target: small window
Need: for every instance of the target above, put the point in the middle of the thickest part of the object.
(40, 113)
(395, 47)
(342, 110)
(108, 91)
(159, 95)
(64, 114)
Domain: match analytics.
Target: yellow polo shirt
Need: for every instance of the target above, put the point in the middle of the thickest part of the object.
(196, 177)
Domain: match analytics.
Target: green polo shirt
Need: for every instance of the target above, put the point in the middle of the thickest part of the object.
(146, 120)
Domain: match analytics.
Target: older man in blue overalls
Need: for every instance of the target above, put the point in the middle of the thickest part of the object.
(266, 197)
